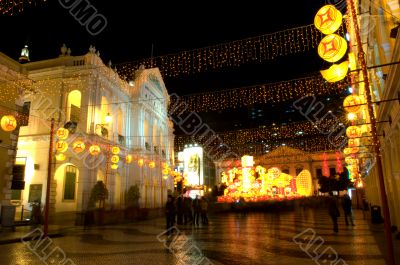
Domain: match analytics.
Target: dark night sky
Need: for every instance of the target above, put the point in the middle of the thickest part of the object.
(134, 26)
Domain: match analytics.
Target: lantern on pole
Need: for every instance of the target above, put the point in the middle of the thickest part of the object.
(352, 103)
(115, 159)
(8, 123)
(94, 150)
(78, 146)
(61, 146)
(128, 159)
(115, 150)
(336, 72)
(332, 48)
(328, 19)
(353, 132)
(62, 133)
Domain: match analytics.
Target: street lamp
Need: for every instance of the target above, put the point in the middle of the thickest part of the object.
(108, 118)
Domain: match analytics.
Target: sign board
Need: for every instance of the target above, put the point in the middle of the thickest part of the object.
(35, 192)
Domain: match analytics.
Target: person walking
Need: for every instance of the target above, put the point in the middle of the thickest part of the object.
(347, 209)
(196, 210)
(170, 213)
(204, 210)
(333, 210)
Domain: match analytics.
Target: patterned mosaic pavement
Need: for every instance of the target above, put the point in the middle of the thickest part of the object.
(254, 238)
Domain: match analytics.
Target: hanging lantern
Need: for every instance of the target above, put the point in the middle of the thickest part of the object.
(353, 132)
(328, 19)
(114, 166)
(165, 165)
(165, 172)
(61, 146)
(336, 72)
(152, 164)
(94, 150)
(128, 159)
(78, 146)
(115, 150)
(354, 150)
(115, 159)
(347, 151)
(60, 157)
(332, 48)
(8, 123)
(140, 162)
(352, 103)
(354, 142)
(349, 160)
(62, 133)
(165, 177)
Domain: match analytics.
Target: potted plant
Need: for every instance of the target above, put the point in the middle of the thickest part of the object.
(98, 195)
(132, 197)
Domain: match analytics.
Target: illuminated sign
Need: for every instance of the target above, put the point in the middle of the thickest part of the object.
(193, 165)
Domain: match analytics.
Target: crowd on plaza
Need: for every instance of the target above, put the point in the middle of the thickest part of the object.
(184, 210)
(334, 212)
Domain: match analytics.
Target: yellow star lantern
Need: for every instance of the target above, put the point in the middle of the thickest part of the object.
(336, 72)
(61, 146)
(332, 48)
(114, 166)
(8, 123)
(78, 146)
(128, 159)
(115, 159)
(354, 142)
(328, 19)
(62, 133)
(140, 162)
(94, 150)
(115, 150)
(352, 103)
(353, 132)
(60, 157)
(152, 164)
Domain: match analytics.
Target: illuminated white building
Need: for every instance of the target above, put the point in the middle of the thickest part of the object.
(88, 97)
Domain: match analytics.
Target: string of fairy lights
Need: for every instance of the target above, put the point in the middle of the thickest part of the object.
(231, 54)
(11, 7)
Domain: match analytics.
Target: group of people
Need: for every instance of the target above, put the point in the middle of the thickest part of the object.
(334, 212)
(184, 210)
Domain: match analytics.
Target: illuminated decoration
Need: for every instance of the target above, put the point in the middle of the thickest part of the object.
(247, 161)
(165, 172)
(8, 123)
(60, 157)
(274, 173)
(332, 48)
(325, 166)
(114, 166)
(78, 146)
(351, 116)
(347, 151)
(193, 165)
(355, 142)
(328, 19)
(350, 160)
(115, 159)
(259, 94)
(336, 72)
(128, 159)
(140, 162)
(229, 54)
(94, 150)
(353, 132)
(304, 183)
(165, 177)
(62, 133)
(339, 165)
(115, 150)
(108, 118)
(352, 61)
(352, 103)
(10, 7)
(181, 156)
(61, 146)
(152, 164)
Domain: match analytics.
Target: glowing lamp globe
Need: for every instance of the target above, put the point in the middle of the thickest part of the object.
(62, 133)
(128, 159)
(8, 123)
(61, 146)
(152, 164)
(352, 103)
(353, 132)
(336, 72)
(60, 157)
(94, 150)
(115, 159)
(114, 166)
(328, 19)
(115, 150)
(78, 147)
(140, 162)
(332, 48)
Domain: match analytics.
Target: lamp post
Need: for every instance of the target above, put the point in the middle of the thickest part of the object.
(47, 203)
(386, 212)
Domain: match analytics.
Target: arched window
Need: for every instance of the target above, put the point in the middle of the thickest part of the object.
(74, 105)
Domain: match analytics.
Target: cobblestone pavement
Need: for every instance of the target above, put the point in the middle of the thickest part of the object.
(231, 238)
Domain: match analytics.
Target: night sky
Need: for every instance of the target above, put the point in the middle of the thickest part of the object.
(133, 27)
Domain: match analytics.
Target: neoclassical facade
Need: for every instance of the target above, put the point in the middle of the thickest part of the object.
(101, 112)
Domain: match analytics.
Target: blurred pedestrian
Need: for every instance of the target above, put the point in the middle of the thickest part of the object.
(347, 209)
(196, 210)
(170, 213)
(333, 210)
(204, 210)
(187, 210)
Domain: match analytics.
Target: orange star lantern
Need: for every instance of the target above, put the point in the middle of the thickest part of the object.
(353, 132)
(61, 146)
(62, 133)
(8, 123)
(78, 147)
(60, 157)
(332, 48)
(94, 150)
(328, 19)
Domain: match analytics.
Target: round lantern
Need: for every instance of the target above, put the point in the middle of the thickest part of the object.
(94, 150)
(328, 19)
(60, 157)
(347, 151)
(354, 150)
(115, 150)
(352, 103)
(114, 166)
(354, 142)
(78, 146)
(61, 146)
(62, 133)
(152, 164)
(115, 159)
(332, 48)
(336, 72)
(353, 132)
(128, 159)
(165, 165)
(165, 177)
(140, 162)
(165, 172)
(8, 123)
